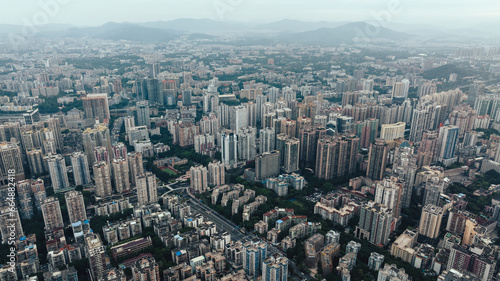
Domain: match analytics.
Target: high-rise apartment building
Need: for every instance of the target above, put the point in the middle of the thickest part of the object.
(275, 268)
(25, 197)
(209, 124)
(391, 272)
(199, 179)
(51, 211)
(147, 191)
(205, 144)
(102, 179)
(308, 138)
(267, 165)
(146, 268)
(390, 132)
(430, 222)
(142, 114)
(366, 131)
(10, 159)
(135, 167)
(96, 106)
(457, 220)
(96, 253)
(35, 161)
(375, 261)
(93, 138)
(229, 148)
(374, 223)
(58, 172)
(254, 254)
(119, 150)
(216, 173)
(238, 118)
(388, 193)
(447, 141)
(336, 157)
(80, 165)
(288, 127)
(246, 143)
(75, 206)
(121, 174)
(400, 89)
(267, 140)
(377, 160)
(427, 151)
(289, 152)
(433, 189)
(405, 167)
(186, 97)
(8, 218)
(480, 261)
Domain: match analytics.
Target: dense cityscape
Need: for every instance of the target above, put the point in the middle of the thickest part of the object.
(223, 157)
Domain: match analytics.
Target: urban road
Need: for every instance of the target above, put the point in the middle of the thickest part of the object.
(239, 234)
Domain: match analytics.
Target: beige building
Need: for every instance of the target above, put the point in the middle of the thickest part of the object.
(199, 179)
(390, 132)
(470, 232)
(51, 211)
(102, 179)
(121, 174)
(75, 206)
(96, 106)
(430, 221)
(135, 168)
(216, 173)
(147, 191)
(403, 246)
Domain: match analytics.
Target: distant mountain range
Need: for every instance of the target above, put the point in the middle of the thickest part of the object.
(343, 34)
(197, 25)
(283, 31)
(123, 31)
(288, 25)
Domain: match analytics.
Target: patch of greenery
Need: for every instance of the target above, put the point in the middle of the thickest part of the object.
(476, 204)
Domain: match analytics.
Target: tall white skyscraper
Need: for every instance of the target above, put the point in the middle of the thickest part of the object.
(102, 179)
(142, 113)
(135, 167)
(246, 143)
(274, 94)
(75, 206)
(290, 151)
(238, 118)
(430, 221)
(121, 174)
(80, 165)
(447, 141)
(58, 172)
(93, 138)
(400, 89)
(51, 211)
(388, 193)
(254, 255)
(199, 179)
(119, 150)
(147, 191)
(96, 253)
(267, 140)
(216, 173)
(275, 268)
(229, 147)
(251, 113)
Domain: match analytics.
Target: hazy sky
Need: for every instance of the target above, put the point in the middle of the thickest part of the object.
(96, 12)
